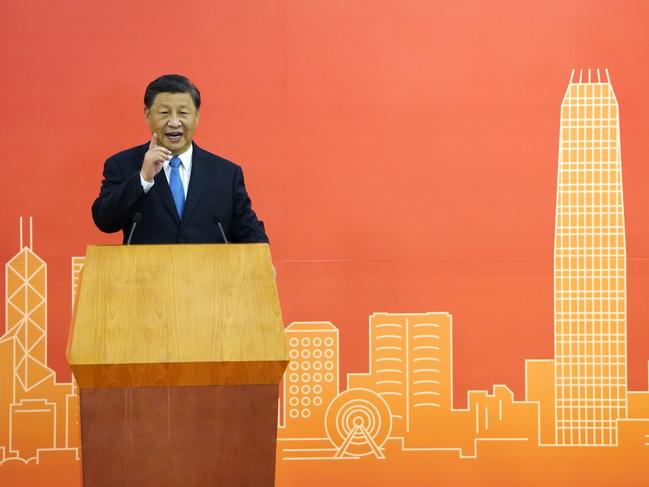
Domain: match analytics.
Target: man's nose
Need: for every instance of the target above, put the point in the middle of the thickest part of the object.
(174, 121)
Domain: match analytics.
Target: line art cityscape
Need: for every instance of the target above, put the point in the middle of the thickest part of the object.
(404, 403)
(578, 398)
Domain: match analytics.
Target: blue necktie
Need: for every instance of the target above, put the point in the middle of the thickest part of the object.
(176, 185)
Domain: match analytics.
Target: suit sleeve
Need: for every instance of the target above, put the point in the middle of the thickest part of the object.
(246, 227)
(118, 198)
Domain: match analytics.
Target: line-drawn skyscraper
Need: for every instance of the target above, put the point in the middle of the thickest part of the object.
(26, 316)
(589, 268)
(37, 414)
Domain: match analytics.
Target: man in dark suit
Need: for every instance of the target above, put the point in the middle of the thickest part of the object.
(182, 193)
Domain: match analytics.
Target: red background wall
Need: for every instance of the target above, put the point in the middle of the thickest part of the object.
(403, 154)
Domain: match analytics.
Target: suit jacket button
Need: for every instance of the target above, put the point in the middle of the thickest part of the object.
(181, 240)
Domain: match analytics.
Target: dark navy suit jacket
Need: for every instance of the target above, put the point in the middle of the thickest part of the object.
(216, 193)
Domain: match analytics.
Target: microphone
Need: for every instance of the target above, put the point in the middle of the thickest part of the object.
(136, 219)
(225, 240)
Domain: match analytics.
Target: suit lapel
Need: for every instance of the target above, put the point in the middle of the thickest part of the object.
(161, 186)
(201, 173)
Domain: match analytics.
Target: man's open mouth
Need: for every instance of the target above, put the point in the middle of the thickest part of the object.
(174, 136)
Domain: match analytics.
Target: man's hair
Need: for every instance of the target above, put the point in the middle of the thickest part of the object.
(171, 83)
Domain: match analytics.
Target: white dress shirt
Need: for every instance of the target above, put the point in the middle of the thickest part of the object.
(185, 170)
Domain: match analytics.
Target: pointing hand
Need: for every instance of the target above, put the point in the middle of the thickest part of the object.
(154, 159)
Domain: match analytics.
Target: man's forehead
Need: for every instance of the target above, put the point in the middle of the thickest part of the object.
(167, 98)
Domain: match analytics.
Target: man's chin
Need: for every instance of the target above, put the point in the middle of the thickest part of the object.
(176, 147)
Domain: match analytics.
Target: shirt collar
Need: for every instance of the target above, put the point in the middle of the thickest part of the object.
(185, 158)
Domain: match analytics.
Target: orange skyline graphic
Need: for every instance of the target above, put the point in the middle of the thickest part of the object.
(404, 404)
(38, 416)
(401, 411)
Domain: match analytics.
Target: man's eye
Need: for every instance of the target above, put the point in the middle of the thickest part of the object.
(163, 113)
(184, 113)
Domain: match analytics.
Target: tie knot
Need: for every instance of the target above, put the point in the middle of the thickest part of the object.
(175, 162)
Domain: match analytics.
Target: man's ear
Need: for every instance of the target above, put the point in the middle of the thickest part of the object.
(147, 114)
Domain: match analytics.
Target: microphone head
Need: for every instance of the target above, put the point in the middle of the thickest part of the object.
(137, 217)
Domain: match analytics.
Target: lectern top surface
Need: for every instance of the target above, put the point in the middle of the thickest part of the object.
(156, 304)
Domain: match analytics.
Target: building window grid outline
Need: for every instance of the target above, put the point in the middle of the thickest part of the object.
(585, 165)
(562, 294)
(591, 227)
(592, 419)
(590, 232)
(567, 338)
(569, 317)
(592, 175)
(580, 210)
(613, 314)
(581, 244)
(596, 316)
(587, 210)
(587, 168)
(595, 187)
(579, 253)
(593, 382)
(595, 378)
(586, 252)
(596, 381)
(566, 347)
(584, 102)
(565, 294)
(608, 282)
(580, 335)
(611, 419)
(609, 145)
(581, 213)
(612, 403)
(589, 359)
(607, 278)
(592, 398)
(596, 374)
(589, 424)
(611, 252)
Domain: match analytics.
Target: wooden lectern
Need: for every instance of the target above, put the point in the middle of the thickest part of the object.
(178, 351)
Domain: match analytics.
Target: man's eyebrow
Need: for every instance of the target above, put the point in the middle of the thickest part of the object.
(166, 105)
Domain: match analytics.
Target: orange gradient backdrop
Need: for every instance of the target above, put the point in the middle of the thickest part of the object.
(402, 154)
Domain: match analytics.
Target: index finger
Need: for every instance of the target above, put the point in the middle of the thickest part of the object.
(154, 141)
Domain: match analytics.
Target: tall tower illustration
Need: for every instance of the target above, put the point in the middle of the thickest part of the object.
(37, 414)
(26, 316)
(589, 268)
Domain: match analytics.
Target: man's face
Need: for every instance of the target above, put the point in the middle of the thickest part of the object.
(173, 117)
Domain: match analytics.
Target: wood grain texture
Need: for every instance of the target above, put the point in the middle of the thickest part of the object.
(177, 314)
(179, 436)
